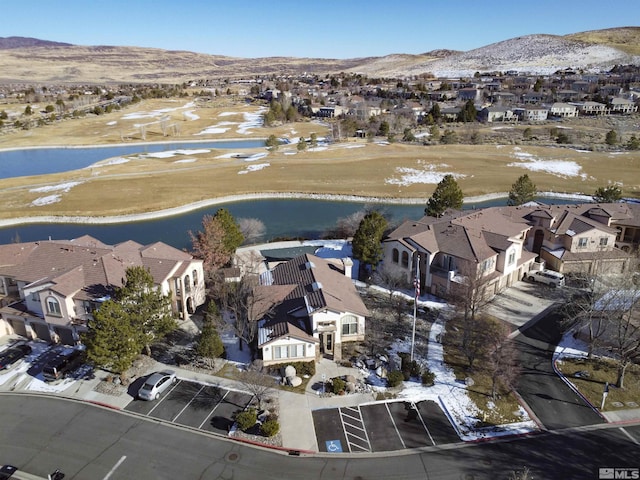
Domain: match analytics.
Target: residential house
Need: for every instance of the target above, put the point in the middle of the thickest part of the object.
(50, 289)
(309, 307)
(591, 108)
(531, 114)
(622, 105)
(497, 246)
(563, 110)
(496, 114)
(533, 97)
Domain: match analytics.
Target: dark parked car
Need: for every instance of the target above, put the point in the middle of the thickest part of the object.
(62, 365)
(12, 354)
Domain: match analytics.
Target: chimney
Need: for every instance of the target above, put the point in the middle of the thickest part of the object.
(347, 264)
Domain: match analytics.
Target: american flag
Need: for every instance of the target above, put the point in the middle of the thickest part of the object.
(416, 284)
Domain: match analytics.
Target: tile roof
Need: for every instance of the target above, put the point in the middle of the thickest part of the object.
(85, 267)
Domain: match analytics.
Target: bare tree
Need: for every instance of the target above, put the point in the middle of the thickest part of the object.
(625, 328)
(393, 279)
(502, 358)
(245, 303)
(252, 229)
(258, 384)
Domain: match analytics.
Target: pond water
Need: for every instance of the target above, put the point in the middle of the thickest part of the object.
(282, 218)
(41, 161)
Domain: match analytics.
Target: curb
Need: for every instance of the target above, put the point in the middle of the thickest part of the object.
(575, 389)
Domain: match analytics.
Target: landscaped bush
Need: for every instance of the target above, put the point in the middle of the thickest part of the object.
(270, 427)
(395, 378)
(247, 419)
(302, 368)
(338, 385)
(428, 377)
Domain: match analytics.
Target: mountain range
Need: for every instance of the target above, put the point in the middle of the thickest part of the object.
(30, 60)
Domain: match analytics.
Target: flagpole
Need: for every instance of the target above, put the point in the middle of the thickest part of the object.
(416, 287)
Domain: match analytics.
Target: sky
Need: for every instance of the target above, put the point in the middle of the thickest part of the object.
(302, 28)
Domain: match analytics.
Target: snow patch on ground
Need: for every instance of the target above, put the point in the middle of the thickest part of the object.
(113, 161)
(111, 123)
(429, 174)
(561, 168)
(190, 115)
(173, 153)
(254, 168)
(65, 187)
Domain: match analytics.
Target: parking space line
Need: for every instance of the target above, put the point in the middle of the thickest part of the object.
(187, 405)
(163, 397)
(630, 436)
(213, 409)
(348, 434)
(413, 405)
(394, 425)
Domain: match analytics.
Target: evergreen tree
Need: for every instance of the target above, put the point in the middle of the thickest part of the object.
(611, 137)
(112, 341)
(302, 144)
(272, 142)
(449, 137)
(123, 326)
(523, 191)
(148, 309)
(233, 237)
(313, 140)
(633, 143)
(468, 112)
(446, 195)
(210, 344)
(367, 241)
(608, 194)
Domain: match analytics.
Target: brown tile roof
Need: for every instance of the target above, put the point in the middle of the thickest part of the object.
(85, 266)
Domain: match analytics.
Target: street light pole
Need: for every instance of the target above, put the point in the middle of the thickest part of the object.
(605, 392)
(416, 286)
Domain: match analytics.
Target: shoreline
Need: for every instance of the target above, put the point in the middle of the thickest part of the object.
(170, 212)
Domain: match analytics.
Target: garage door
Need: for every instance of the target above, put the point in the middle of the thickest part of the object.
(66, 335)
(18, 326)
(42, 331)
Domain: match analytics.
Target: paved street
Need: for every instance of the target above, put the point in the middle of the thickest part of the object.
(40, 434)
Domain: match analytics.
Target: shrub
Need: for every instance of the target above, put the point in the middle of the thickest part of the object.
(394, 378)
(270, 427)
(247, 419)
(428, 377)
(338, 385)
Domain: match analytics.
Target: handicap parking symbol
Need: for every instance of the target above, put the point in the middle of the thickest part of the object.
(333, 446)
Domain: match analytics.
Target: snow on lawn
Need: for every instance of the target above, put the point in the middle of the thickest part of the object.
(173, 153)
(429, 174)
(113, 161)
(251, 121)
(186, 160)
(154, 113)
(448, 392)
(561, 168)
(220, 127)
(48, 200)
(254, 168)
(65, 187)
(190, 115)
(111, 123)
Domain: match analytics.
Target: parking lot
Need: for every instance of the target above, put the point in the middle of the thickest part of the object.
(205, 407)
(382, 427)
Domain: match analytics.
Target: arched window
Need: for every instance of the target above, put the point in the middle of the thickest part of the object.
(405, 259)
(187, 284)
(194, 275)
(349, 325)
(395, 255)
(53, 306)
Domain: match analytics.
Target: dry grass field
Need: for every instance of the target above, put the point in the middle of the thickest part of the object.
(390, 171)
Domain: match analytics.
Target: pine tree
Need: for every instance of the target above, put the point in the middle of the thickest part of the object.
(608, 194)
(446, 195)
(523, 191)
(233, 237)
(611, 137)
(367, 241)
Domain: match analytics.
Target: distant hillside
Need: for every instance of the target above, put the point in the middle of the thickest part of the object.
(23, 42)
(29, 60)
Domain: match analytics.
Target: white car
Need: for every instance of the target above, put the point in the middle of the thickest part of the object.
(549, 277)
(157, 383)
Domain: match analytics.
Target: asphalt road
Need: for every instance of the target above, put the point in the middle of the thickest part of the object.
(40, 434)
(553, 402)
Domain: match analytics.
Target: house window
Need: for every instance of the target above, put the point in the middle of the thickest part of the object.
(35, 296)
(603, 241)
(53, 306)
(187, 284)
(512, 258)
(194, 274)
(395, 255)
(289, 351)
(178, 286)
(405, 259)
(486, 265)
(582, 242)
(349, 325)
